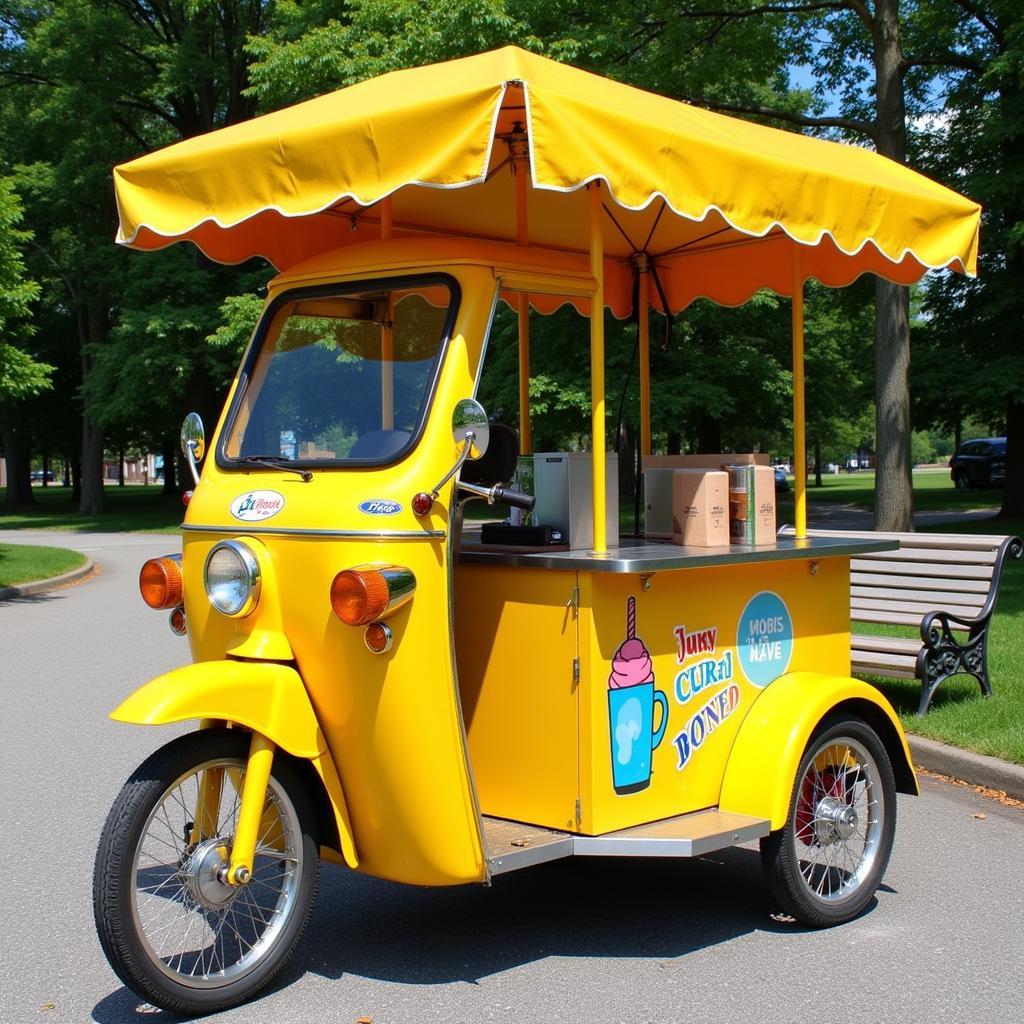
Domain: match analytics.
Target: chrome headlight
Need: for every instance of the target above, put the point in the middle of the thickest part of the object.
(232, 578)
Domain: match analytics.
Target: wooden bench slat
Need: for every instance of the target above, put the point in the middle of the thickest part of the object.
(860, 642)
(882, 670)
(941, 556)
(962, 542)
(952, 571)
(887, 618)
(919, 583)
(920, 608)
(936, 598)
(881, 660)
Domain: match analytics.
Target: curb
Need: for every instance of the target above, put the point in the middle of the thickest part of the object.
(42, 586)
(976, 769)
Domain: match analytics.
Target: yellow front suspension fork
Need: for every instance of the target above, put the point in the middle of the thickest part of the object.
(250, 811)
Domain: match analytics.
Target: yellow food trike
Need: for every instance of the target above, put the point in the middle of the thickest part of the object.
(378, 690)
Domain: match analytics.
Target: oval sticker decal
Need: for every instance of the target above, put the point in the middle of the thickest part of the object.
(380, 507)
(257, 505)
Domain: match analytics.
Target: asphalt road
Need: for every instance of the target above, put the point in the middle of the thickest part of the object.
(599, 941)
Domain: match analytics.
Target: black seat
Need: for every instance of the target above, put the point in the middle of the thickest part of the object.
(379, 444)
(498, 463)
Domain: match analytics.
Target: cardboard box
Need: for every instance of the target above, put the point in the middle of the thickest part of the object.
(716, 460)
(751, 504)
(700, 508)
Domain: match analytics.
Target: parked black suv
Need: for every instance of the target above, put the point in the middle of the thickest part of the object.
(979, 463)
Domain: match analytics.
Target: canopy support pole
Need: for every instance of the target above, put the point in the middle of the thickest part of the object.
(644, 331)
(597, 366)
(520, 168)
(387, 338)
(799, 426)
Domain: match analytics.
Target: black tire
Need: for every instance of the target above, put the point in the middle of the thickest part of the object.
(962, 482)
(285, 875)
(825, 892)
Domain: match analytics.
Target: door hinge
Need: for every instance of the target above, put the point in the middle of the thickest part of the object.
(574, 601)
(579, 814)
(575, 671)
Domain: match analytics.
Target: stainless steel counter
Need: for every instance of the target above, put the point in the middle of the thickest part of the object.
(640, 556)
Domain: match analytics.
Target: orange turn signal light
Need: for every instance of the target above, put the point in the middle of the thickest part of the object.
(368, 592)
(160, 582)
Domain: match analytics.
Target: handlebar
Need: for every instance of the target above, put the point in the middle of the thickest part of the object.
(500, 493)
(515, 498)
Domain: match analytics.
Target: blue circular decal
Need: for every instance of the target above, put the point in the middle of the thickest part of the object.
(764, 638)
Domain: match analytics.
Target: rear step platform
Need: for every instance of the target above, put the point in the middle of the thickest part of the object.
(510, 845)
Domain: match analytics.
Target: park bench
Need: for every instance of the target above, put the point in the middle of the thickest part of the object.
(946, 584)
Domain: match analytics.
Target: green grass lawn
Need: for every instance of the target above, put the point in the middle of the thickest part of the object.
(129, 510)
(933, 492)
(22, 563)
(958, 713)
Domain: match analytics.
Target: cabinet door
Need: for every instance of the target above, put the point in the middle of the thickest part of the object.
(515, 643)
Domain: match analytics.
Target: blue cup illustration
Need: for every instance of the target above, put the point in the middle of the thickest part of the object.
(631, 722)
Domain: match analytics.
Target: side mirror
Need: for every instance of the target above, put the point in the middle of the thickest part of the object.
(469, 423)
(193, 442)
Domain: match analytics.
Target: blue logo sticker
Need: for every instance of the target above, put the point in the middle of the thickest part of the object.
(380, 507)
(764, 638)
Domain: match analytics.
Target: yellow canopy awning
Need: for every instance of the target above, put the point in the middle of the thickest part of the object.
(716, 202)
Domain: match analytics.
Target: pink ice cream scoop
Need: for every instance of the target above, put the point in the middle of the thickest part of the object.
(631, 665)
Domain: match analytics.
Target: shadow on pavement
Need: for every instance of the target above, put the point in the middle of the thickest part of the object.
(630, 907)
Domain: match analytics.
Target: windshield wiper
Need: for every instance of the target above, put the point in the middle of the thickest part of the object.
(275, 462)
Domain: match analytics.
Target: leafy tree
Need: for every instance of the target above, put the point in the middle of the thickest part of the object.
(90, 84)
(21, 375)
(976, 364)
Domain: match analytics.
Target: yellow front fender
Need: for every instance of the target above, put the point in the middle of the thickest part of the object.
(764, 760)
(265, 697)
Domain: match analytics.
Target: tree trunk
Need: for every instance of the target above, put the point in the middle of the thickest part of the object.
(92, 500)
(67, 470)
(76, 478)
(18, 456)
(120, 469)
(817, 463)
(674, 443)
(1013, 497)
(894, 500)
(91, 497)
(709, 435)
(170, 477)
(46, 470)
(893, 494)
(958, 434)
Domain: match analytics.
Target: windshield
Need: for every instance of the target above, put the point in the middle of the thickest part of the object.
(341, 377)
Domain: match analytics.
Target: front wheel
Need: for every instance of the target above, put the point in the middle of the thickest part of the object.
(172, 928)
(826, 862)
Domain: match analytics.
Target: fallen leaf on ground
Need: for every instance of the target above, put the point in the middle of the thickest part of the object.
(999, 795)
(980, 816)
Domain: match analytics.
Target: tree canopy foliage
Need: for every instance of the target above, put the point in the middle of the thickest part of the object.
(133, 341)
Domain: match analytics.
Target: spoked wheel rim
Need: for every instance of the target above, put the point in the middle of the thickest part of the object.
(195, 928)
(837, 828)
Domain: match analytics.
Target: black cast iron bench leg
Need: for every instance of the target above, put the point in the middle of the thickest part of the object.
(943, 655)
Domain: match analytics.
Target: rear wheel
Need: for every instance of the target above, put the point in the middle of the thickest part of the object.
(962, 482)
(171, 926)
(827, 861)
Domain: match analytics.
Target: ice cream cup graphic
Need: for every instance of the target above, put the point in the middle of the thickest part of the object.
(631, 700)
